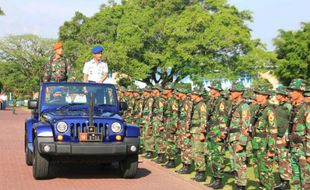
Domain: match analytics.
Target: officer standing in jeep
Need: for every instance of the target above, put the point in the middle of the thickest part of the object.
(58, 68)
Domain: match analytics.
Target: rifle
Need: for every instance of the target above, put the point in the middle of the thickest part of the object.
(209, 115)
(228, 122)
(254, 119)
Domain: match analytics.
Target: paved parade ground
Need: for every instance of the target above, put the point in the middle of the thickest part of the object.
(16, 175)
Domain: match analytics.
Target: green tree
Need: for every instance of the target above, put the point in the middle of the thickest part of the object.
(293, 51)
(166, 40)
(1, 12)
(21, 59)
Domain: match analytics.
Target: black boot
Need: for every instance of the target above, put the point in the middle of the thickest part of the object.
(216, 184)
(186, 169)
(160, 159)
(149, 154)
(200, 176)
(285, 184)
(170, 164)
(238, 187)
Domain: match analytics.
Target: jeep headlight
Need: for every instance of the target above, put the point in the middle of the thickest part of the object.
(62, 127)
(116, 127)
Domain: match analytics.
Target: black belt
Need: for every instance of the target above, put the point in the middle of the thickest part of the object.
(235, 130)
(260, 135)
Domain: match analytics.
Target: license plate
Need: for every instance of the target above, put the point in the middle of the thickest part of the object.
(90, 137)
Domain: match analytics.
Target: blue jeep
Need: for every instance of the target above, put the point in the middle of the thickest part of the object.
(79, 121)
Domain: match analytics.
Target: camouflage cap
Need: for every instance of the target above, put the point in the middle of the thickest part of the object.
(216, 85)
(263, 89)
(147, 89)
(197, 91)
(307, 91)
(157, 87)
(297, 84)
(237, 86)
(281, 89)
(181, 90)
(169, 86)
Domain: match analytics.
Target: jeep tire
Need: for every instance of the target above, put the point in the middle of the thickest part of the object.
(129, 166)
(40, 164)
(28, 154)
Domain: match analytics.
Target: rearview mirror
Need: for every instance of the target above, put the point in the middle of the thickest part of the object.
(32, 104)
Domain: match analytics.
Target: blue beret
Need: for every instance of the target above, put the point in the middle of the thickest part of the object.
(57, 89)
(97, 49)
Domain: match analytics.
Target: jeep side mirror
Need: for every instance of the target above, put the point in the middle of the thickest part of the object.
(123, 106)
(32, 104)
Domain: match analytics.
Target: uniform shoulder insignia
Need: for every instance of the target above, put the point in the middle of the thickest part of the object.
(244, 114)
(222, 107)
(308, 117)
(271, 117)
(203, 108)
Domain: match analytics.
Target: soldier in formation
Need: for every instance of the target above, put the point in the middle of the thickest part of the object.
(199, 129)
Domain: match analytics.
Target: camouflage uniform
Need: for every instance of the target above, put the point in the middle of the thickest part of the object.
(238, 122)
(58, 70)
(183, 142)
(282, 113)
(137, 115)
(198, 128)
(158, 131)
(216, 124)
(171, 116)
(299, 133)
(147, 127)
(263, 141)
(131, 104)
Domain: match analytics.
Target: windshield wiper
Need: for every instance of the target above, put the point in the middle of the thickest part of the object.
(69, 105)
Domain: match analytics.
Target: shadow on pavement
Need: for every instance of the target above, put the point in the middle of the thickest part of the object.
(91, 171)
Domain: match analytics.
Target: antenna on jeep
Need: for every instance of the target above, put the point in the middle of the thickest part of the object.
(91, 110)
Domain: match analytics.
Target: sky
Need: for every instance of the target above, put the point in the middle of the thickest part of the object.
(44, 17)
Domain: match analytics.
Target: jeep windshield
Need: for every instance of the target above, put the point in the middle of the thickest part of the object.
(66, 95)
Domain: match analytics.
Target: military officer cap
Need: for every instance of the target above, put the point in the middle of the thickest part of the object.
(281, 89)
(147, 89)
(181, 90)
(307, 91)
(97, 49)
(237, 86)
(157, 87)
(297, 84)
(169, 86)
(216, 85)
(57, 89)
(263, 89)
(197, 91)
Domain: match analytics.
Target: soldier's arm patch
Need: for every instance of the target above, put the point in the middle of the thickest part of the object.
(222, 107)
(244, 114)
(203, 108)
(271, 117)
(308, 118)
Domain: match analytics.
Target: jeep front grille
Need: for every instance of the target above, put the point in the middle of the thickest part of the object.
(76, 128)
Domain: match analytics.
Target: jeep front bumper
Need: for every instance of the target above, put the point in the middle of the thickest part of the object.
(127, 147)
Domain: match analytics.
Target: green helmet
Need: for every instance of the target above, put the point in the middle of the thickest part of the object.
(263, 89)
(216, 85)
(237, 86)
(281, 89)
(147, 89)
(307, 91)
(297, 84)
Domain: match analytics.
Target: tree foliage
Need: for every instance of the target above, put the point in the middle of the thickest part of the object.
(167, 40)
(293, 51)
(1, 12)
(21, 59)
